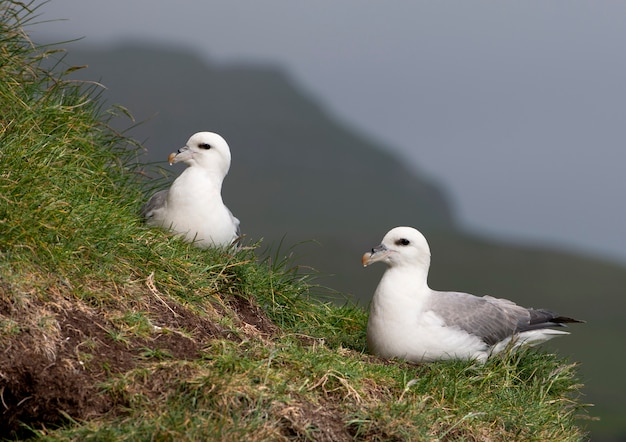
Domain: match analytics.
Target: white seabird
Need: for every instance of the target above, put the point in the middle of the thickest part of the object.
(411, 321)
(192, 207)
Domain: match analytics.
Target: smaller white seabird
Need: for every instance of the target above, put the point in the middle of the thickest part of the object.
(411, 321)
(192, 207)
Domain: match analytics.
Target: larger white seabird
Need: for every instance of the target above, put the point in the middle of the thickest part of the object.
(192, 207)
(411, 321)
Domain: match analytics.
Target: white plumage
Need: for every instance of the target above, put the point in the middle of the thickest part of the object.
(409, 320)
(192, 207)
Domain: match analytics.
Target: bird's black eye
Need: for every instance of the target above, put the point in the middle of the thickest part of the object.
(403, 242)
(204, 145)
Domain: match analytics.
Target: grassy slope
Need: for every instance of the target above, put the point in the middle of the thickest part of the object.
(114, 331)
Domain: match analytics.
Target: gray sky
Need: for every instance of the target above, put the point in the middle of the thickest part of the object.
(518, 108)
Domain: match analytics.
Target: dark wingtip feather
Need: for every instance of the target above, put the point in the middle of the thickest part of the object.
(545, 319)
(567, 320)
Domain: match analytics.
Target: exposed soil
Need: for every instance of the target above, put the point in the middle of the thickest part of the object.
(303, 420)
(52, 365)
(252, 314)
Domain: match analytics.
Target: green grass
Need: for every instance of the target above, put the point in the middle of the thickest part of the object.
(114, 331)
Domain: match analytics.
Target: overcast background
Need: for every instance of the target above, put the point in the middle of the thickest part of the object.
(517, 108)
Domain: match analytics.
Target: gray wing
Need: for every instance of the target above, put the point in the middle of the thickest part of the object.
(156, 202)
(489, 318)
(237, 223)
(492, 319)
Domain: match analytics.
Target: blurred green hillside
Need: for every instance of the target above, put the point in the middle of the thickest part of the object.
(301, 178)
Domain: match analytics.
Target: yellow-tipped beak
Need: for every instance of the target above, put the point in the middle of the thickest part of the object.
(365, 259)
(171, 157)
(379, 253)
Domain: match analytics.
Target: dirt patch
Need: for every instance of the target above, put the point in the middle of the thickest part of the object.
(35, 391)
(56, 353)
(172, 318)
(166, 313)
(41, 381)
(84, 338)
(250, 313)
(302, 420)
(375, 434)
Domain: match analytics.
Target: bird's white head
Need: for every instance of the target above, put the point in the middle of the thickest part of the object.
(205, 149)
(401, 246)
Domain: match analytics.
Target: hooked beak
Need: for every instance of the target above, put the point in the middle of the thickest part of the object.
(182, 154)
(377, 254)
